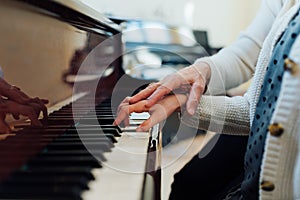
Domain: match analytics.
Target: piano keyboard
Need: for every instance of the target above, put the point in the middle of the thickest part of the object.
(76, 159)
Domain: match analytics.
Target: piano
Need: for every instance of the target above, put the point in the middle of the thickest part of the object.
(66, 52)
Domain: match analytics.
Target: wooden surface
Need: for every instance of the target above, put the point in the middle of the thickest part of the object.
(36, 50)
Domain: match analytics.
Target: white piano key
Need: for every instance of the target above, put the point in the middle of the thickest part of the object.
(122, 175)
(71, 99)
(139, 116)
(129, 128)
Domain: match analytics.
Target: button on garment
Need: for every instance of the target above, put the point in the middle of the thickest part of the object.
(276, 129)
(290, 65)
(264, 110)
(267, 186)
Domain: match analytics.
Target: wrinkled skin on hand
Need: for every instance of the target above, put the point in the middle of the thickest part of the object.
(193, 78)
(164, 97)
(158, 112)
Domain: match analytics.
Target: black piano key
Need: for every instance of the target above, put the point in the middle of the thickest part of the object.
(41, 131)
(113, 131)
(48, 180)
(94, 128)
(111, 137)
(65, 161)
(113, 127)
(102, 126)
(103, 146)
(67, 171)
(39, 192)
(76, 145)
(84, 130)
(91, 116)
(101, 120)
(81, 139)
(97, 154)
(61, 121)
(67, 137)
(76, 138)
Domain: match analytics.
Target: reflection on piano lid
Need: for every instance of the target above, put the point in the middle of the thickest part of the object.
(42, 45)
(76, 13)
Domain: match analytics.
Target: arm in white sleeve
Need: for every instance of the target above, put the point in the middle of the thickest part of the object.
(235, 64)
(230, 67)
(221, 114)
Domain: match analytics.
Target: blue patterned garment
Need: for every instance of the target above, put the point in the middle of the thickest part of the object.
(264, 110)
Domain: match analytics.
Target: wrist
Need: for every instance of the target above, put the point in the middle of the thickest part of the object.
(181, 100)
(203, 68)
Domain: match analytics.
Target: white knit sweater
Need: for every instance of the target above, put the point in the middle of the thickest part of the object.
(236, 64)
(281, 163)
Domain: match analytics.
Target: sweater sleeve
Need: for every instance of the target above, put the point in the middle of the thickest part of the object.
(221, 114)
(235, 64)
(230, 67)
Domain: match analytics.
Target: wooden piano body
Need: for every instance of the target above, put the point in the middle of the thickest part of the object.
(43, 46)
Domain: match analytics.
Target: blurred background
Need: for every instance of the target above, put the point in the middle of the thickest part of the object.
(223, 20)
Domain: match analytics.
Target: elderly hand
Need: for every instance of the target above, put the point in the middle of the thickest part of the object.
(158, 112)
(194, 78)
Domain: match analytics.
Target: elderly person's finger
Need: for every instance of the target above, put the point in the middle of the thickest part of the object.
(125, 109)
(198, 74)
(189, 76)
(195, 95)
(162, 110)
(145, 93)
